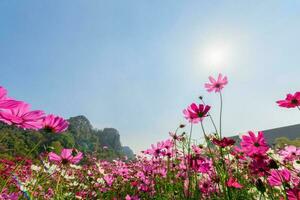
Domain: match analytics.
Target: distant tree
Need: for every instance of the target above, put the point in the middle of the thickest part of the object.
(80, 135)
(283, 141)
(57, 147)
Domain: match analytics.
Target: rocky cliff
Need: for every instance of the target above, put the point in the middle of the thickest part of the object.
(81, 135)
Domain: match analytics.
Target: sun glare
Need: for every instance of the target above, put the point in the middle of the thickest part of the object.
(216, 56)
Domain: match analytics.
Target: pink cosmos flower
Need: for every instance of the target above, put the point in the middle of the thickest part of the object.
(66, 156)
(196, 149)
(278, 177)
(109, 179)
(5, 102)
(252, 145)
(290, 153)
(9, 104)
(207, 188)
(291, 101)
(216, 85)
(232, 182)
(21, 116)
(195, 114)
(128, 197)
(3, 92)
(157, 150)
(259, 165)
(293, 194)
(55, 124)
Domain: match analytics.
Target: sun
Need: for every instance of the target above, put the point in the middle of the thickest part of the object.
(216, 55)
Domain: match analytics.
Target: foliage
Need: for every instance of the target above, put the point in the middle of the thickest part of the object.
(283, 141)
(80, 135)
(176, 168)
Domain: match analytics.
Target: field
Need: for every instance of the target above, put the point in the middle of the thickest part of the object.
(175, 168)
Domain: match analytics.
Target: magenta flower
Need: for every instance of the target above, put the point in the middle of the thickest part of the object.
(11, 196)
(252, 145)
(195, 114)
(225, 142)
(66, 156)
(216, 85)
(131, 197)
(156, 150)
(293, 194)
(291, 101)
(232, 182)
(5, 102)
(55, 124)
(9, 104)
(128, 197)
(196, 149)
(278, 177)
(109, 179)
(290, 153)
(3, 93)
(21, 116)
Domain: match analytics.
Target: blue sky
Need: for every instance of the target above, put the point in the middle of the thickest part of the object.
(134, 65)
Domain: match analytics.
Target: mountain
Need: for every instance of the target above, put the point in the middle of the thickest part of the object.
(104, 144)
(128, 152)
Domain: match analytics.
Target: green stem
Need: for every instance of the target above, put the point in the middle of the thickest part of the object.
(188, 166)
(57, 183)
(4, 134)
(221, 109)
(205, 136)
(189, 144)
(211, 119)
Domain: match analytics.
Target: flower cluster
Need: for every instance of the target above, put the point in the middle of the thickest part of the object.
(18, 113)
(164, 171)
(177, 168)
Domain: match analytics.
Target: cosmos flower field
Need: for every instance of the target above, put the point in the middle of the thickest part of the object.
(175, 168)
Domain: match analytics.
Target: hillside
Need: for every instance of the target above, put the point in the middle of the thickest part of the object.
(80, 135)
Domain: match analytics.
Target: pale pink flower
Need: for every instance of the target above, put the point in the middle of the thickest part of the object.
(196, 149)
(290, 153)
(55, 124)
(21, 116)
(216, 85)
(128, 197)
(66, 156)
